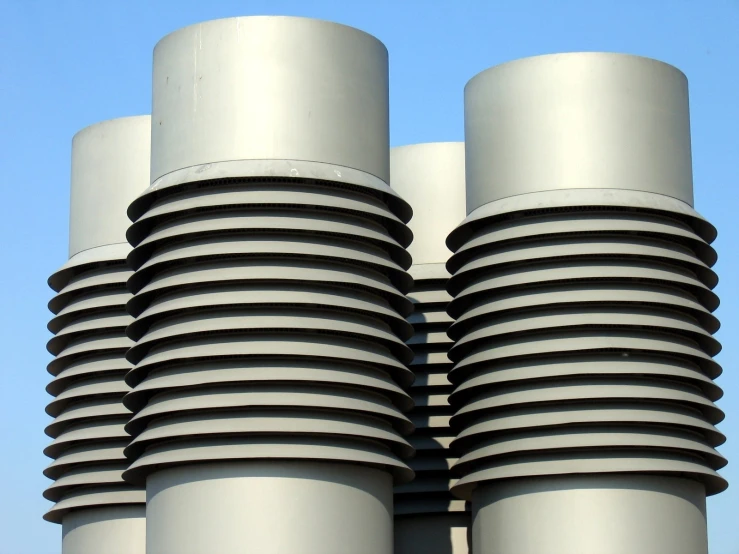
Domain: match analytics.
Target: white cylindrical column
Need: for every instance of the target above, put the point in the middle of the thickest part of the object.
(427, 517)
(355, 502)
(270, 280)
(97, 509)
(582, 284)
(118, 529)
(590, 513)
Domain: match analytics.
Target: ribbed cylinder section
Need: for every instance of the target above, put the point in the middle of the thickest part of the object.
(269, 324)
(427, 517)
(90, 344)
(583, 345)
(583, 303)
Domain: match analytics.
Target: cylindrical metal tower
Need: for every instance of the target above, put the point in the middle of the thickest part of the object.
(270, 280)
(427, 517)
(582, 298)
(97, 509)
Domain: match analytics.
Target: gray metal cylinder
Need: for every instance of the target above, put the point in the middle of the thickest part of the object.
(308, 497)
(269, 291)
(118, 529)
(427, 517)
(583, 310)
(598, 513)
(97, 509)
(589, 120)
(305, 97)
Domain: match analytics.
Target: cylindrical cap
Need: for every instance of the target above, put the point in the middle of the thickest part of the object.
(574, 121)
(430, 177)
(110, 162)
(270, 88)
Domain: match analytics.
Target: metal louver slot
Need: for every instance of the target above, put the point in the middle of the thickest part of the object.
(273, 349)
(629, 340)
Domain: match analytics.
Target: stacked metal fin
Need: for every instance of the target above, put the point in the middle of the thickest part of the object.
(90, 345)
(269, 325)
(583, 343)
(89, 323)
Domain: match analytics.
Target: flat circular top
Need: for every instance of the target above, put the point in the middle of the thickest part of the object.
(577, 120)
(568, 57)
(284, 21)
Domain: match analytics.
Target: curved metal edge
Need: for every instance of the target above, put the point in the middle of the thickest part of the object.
(90, 499)
(565, 198)
(291, 169)
(87, 259)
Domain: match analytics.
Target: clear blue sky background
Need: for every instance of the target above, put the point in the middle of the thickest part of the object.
(67, 64)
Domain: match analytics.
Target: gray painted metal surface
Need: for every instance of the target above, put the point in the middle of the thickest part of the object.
(596, 513)
(288, 101)
(269, 294)
(97, 509)
(427, 517)
(582, 287)
(589, 119)
(277, 505)
(114, 529)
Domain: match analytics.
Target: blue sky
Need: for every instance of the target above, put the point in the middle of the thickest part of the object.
(67, 64)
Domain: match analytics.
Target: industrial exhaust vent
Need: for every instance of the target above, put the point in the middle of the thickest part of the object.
(583, 303)
(427, 517)
(269, 290)
(110, 165)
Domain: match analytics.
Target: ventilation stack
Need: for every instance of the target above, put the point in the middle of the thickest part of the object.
(427, 517)
(97, 509)
(269, 294)
(583, 302)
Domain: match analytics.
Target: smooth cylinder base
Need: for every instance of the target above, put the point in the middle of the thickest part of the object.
(599, 514)
(433, 534)
(112, 529)
(270, 507)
